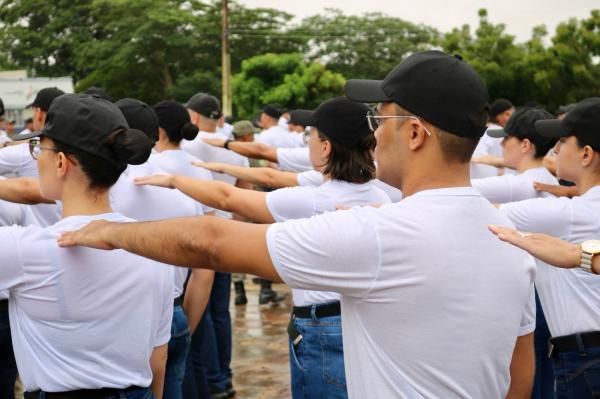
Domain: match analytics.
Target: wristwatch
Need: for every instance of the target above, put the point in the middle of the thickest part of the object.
(588, 250)
(226, 144)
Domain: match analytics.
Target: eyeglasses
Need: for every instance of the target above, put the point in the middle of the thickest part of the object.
(377, 120)
(35, 148)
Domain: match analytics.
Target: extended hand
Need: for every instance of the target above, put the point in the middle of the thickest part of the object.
(94, 235)
(547, 249)
(555, 189)
(215, 142)
(156, 180)
(212, 166)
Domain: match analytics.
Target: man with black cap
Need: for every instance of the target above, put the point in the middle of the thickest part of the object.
(570, 298)
(273, 133)
(420, 307)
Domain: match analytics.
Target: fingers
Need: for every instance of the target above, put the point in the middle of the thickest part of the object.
(67, 239)
(507, 234)
(156, 180)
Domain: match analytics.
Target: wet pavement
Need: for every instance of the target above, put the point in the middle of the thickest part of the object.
(260, 347)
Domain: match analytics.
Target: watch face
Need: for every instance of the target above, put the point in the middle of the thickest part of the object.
(591, 246)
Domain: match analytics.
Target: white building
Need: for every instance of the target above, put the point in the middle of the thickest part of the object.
(17, 91)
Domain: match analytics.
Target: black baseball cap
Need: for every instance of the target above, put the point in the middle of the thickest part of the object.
(341, 119)
(1, 108)
(442, 89)
(521, 124)
(206, 105)
(582, 121)
(97, 91)
(44, 98)
(498, 106)
(272, 111)
(86, 122)
(299, 115)
(140, 116)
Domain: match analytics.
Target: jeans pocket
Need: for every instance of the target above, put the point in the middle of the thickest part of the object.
(592, 379)
(333, 359)
(295, 354)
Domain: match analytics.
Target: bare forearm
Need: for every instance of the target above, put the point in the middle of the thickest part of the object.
(197, 295)
(199, 242)
(22, 190)
(522, 369)
(212, 193)
(254, 150)
(268, 177)
(158, 364)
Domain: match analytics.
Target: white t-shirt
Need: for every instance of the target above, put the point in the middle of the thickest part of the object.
(280, 137)
(312, 178)
(226, 130)
(209, 153)
(294, 159)
(422, 285)
(510, 188)
(487, 146)
(82, 318)
(179, 162)
(14, 215)
(16, 161)
(570, 297)
(304, 202)
(147, 203)
(4, 138)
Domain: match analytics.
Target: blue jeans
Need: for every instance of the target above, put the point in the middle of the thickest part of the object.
(179, 346)
(8, 367)
(142, 393)
(210, 353)
(317, 361)
(577, 373)
(543, 385)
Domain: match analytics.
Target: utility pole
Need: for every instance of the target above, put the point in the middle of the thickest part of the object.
(225, 59)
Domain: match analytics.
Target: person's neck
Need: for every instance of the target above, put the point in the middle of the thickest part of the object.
(446, 177)
(270, 124)
(529, 163)
(77, 202)
(165, 145)
(207, 128)
(587, 182)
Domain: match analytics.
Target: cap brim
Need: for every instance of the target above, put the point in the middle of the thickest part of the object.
(496, 133)
(26, 136)
(366, 91)
(551, 128)
(305, 118)
(29, 105)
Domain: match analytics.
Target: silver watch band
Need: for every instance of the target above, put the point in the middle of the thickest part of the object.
(586, 262)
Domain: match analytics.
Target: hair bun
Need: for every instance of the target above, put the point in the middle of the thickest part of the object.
(131, 146)
(189, 131)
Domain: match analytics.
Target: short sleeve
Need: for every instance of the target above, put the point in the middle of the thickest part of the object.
(12, 272)
(528, 320)
(163, 332)
(10, 159)
(496, 189)
(540, 215)
(310, 178)
(337, 252)
(291, 203)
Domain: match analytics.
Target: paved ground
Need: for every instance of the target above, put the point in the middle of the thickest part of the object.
(260, 352)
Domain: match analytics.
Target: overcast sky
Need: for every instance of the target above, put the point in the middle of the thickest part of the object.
(520, 16)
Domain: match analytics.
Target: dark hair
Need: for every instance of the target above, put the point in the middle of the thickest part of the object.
(188, 131)
(351, 164)
(540, 143)
(456, 148)
(129, 146)
(175, 119)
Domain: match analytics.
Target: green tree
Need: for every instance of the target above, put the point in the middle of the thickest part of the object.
(284, 79)
(366, 46)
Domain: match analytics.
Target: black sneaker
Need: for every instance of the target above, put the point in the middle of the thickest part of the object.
(230, 389)
(267, 296)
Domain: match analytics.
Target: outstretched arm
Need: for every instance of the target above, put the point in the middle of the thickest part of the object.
(22, 190)
(216, 194)
(198, 242)
(267, 177)
(251, 150)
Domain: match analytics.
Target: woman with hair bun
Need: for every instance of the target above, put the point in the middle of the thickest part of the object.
(85, 323)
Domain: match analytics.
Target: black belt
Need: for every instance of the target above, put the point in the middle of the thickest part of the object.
(325, 310)
(4, 305)
(101, 393)
(178, 301)
(570, 342)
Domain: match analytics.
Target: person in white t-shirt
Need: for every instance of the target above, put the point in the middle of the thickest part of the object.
(274, 134)
(19, 215)
(341, 147)
(108, 315)
(523, 150)
(570, 298)
(224, 128)
(420, 314)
